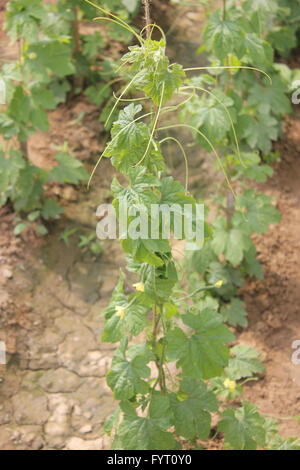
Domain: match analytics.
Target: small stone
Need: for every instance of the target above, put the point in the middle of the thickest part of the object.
(7, 273)
(77, 410)
(75, 347)
(5, 413)
(75, 443)
(57, 429)
(86, 429)
(30, 408)
(59, 380)
(70, 194)
(28, 438)
(273, 321)
(94, 365)
(263, 301)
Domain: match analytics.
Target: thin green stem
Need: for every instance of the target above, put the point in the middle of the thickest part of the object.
(243, 67)
(228, 115)
(184, 156)
(209, 143)
(162, 358)
(153, 128)
(200, 289)
(157, 27)
(147, 17)
(224, 10)
(122, 94)
(117, 20)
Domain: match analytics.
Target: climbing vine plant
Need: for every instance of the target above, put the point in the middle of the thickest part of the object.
(183, 369)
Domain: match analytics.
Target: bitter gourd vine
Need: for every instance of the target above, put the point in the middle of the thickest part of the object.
(168, 383)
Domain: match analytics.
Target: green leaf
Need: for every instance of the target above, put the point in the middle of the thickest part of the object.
(69, 170)
(191, 409)
(51, 209)
(134, 322)
(172, 192)
(139, 192)
(10, 169)
(146, 250)
(290, 443)
(283, 39)
(165, 79)
(131, 5)
(130, 140)
(59, 89)
(8, 126)
(259, 213)
(160, 410)
(232, 243)
(136, 433)
(39, 118)
(244, 362)
(111, 422)
(29, 188)
(236, 245)
(255, 48)
(264, 97)
(261, 6)
(231, 277)
(235, 313)
(125, 377)
(98, 94)
(22, 19)
(33, 216)
(43, 97)
(258, 131)
(252, 265)
(201, 259)
(254, 170)
(243, 427)
(19, 228)
(91, 44)
(52, 54)
(20, 105)
(159, 281)
(41, 230)
(203, 354)
(223, 36)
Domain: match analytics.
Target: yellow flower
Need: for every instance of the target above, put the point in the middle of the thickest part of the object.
(120, 311)
(219, 283)
(230, 384)
(140, 286)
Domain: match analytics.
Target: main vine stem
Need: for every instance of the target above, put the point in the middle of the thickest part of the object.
(224, 10)
(23, 144)
(229, 196)
(158, 361)
(78, 80)
(146, 4)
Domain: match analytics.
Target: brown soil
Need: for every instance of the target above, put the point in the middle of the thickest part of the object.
(274, 304)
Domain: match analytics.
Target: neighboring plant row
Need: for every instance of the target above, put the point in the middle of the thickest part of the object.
(54, 59)
(241, 112)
